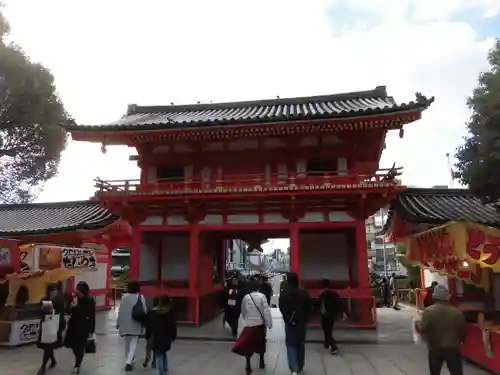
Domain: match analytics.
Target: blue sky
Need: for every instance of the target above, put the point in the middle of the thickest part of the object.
(171, 51)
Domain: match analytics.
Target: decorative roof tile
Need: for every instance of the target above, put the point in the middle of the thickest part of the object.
(439, 206)
(44, 218)
(334, 106)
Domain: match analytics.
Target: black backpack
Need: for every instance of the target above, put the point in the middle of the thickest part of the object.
(138, 312)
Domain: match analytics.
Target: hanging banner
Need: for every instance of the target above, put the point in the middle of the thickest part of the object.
(28, 259)
(473, 243)
(481, 244)
(78, 258)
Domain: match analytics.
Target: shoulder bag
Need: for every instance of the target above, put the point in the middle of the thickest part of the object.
(138, 312)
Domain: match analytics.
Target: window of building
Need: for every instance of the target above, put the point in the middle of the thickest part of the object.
(368, 245)
(379, 240)
(322, 166)
(170, 174)
(231, 256)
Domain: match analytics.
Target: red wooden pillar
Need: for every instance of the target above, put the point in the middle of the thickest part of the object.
(194, 254)
(363, 289)
(135, 255)
(295, 248)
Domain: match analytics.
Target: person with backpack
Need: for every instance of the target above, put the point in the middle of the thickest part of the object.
(131, 322)
(163, 332)
(330, 308)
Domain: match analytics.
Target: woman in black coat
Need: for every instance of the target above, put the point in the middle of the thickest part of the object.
(81, 324)
(51, 303)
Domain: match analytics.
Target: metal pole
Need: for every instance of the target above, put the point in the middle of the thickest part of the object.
(384, 249)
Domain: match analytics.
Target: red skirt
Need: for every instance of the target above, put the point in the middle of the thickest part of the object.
(251, 341)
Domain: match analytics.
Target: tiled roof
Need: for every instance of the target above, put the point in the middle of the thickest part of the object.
(438, 206)
(334, 106)
(41, 218)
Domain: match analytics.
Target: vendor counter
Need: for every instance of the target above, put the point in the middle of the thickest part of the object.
(19, 326)
(482, 346)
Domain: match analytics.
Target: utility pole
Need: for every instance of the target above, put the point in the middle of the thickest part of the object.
(384, 249)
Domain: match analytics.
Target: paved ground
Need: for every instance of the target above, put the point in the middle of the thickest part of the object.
(395, 354)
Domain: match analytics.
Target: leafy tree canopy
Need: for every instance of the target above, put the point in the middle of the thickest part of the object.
(31, 123)
(479, 157)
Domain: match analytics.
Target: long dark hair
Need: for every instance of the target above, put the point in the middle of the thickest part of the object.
(84, 288)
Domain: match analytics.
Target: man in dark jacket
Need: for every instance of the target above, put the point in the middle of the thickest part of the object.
(330, 307)
(443, 328)
(295, 306)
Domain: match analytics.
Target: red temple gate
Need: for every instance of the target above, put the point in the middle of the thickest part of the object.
(303, 168)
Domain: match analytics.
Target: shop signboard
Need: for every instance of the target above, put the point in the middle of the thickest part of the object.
(78, 258)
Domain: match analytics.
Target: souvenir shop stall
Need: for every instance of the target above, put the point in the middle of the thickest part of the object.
(25, 272)
(456, 242)
(468, 256)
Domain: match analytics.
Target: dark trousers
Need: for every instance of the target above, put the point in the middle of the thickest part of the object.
(231, 316)
(78, 352)
(48, 355)
(327, 323)
(452, 358)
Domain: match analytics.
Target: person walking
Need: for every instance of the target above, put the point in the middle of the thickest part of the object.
(256, 315)
(295, 305)
(283, 283)
(163, 332)
(393, 286)
(81, 324)
(329, 305)
(51, 307)
(232, 309)
(266, 289)
(443, 328)
(385, 292)
(131, 322)
(149, 339)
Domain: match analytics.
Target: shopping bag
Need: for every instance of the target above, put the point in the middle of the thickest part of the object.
(417, 337)
(50, 327)
(91, 347)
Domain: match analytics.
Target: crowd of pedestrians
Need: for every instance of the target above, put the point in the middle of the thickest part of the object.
(442, 326)
(251, 301)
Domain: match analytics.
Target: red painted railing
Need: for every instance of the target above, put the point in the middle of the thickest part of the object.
(254, 182)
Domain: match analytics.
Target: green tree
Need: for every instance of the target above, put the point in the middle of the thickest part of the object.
(32, 117)
(478, 158)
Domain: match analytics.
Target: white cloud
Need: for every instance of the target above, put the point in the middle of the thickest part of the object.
(107, 54)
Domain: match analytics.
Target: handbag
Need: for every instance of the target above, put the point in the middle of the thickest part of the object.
(138, 312)
(91, 347)
(50, 328)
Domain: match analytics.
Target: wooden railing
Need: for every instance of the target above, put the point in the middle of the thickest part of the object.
(254, 183)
